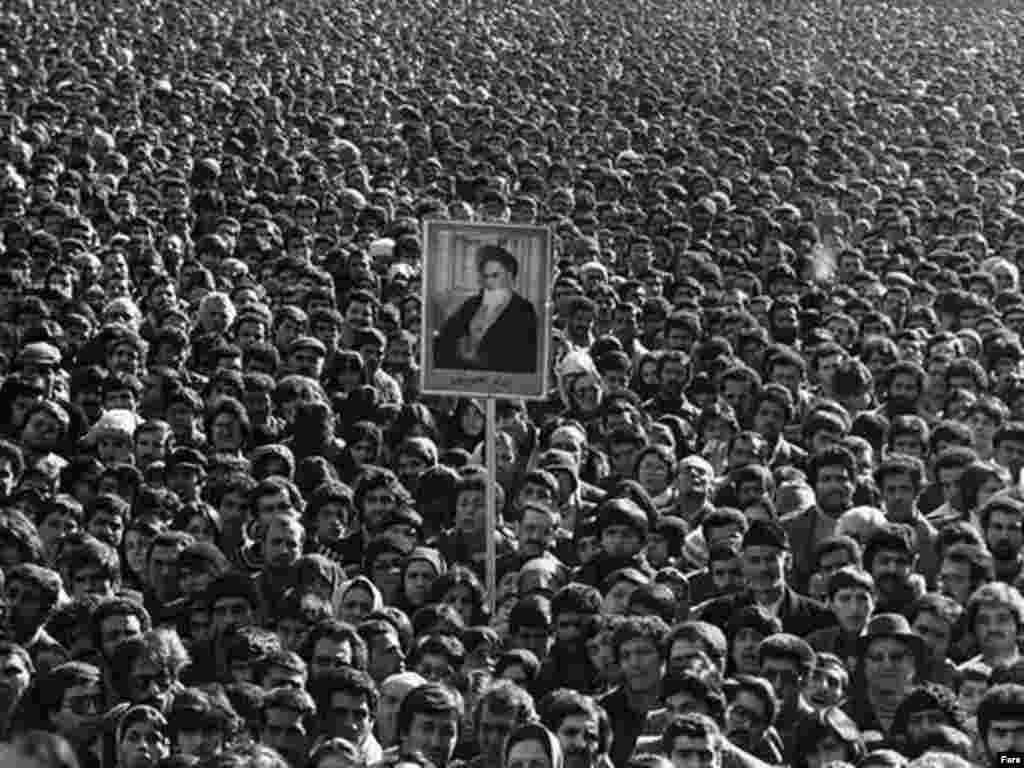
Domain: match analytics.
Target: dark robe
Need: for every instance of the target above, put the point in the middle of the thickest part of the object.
(508, 346)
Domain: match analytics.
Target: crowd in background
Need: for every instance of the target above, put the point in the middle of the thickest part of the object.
(771, 512)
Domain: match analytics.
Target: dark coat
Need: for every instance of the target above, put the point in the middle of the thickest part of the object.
(799, 615)
(509, 346)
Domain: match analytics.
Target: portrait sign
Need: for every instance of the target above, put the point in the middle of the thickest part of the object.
(486, 309)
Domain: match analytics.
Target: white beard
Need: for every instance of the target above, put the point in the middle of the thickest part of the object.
(492, 299)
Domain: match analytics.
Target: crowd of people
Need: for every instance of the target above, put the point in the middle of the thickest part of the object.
(770, 513)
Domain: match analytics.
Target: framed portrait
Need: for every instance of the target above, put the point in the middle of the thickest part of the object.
(486, 309)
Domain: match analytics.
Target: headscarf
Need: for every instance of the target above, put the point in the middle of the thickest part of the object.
(574, 365)
(431, 555)
(536, 732)
(361, 581)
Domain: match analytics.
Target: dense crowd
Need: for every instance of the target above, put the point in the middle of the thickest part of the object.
(770, 513)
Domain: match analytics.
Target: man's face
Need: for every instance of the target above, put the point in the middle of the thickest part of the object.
(826, 687)
(349, 717)
(580, 738)
(231, 612)
(746, 720)
(1010, 454)
(495, 277)
(764, 568)
(620, 541)
(581, 323)
(282, 543)
(995, 629)
(673, 377)
(641, 664)
(285, 731)
(329, 654)
(690, 752)
(949, 483)
(359, 315)
(935, 631)
(25, 609)
(785, 676)
(889, 665)
(891, 570)
(107, 527)
(852, 607)
(899, 494)
(91, 579)
(163, 571)
(1003, 534)
(536, 533)
(493, 728)
(150, 446)
(954, 580)
(386, 656)
(769, 419)
(435, 735)
(834, 489)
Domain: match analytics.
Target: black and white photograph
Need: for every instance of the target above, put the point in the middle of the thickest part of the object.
(485, 319)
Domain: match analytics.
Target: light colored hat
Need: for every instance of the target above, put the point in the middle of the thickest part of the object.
(116, 421)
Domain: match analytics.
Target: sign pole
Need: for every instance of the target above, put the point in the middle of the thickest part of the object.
(491, 511)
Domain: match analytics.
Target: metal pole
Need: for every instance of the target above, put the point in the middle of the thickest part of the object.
(491, 511)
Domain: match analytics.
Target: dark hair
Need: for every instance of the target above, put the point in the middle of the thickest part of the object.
(462, 576)
(344, 680)
(339, 632)
(504, 697)
(693, 726)
(1001, 702)
(116, 606)
(429, 698)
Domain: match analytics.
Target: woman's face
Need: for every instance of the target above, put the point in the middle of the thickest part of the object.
(419, 576)
(652, 474)
(461, 599)
(528, 754)
(356, 604)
